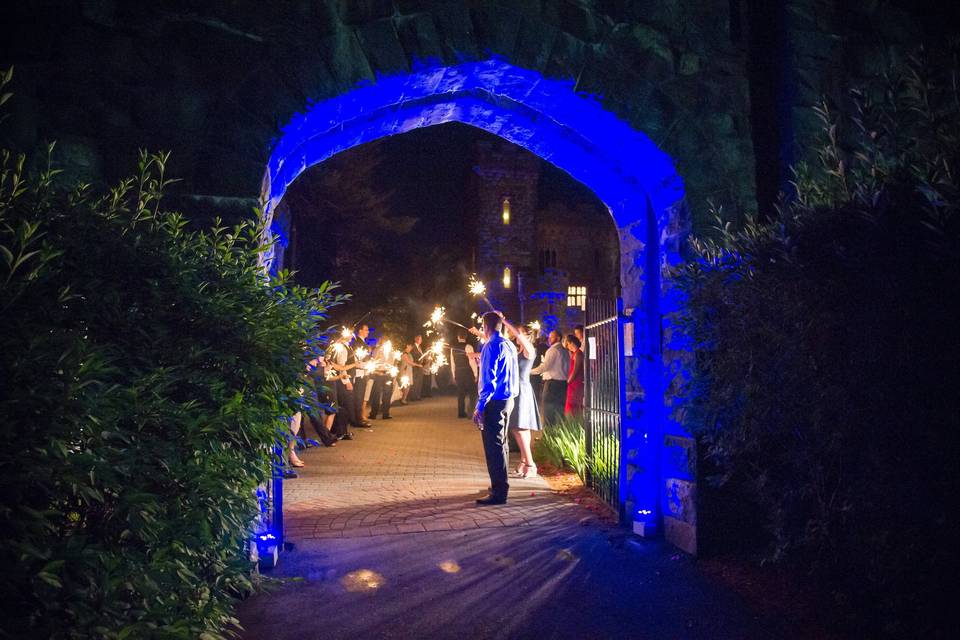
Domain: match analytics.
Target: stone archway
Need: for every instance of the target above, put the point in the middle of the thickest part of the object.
(623, 167)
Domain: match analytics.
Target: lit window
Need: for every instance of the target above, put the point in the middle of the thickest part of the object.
(577, 297)
(506, 211)
(506, 277)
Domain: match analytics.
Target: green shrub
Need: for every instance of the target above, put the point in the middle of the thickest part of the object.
(562, 445)
(824, 389)
(146, 369)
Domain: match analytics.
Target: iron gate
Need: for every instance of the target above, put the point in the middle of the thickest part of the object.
(603, 397)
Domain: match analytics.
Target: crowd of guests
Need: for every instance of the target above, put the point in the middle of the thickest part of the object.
(356, 382)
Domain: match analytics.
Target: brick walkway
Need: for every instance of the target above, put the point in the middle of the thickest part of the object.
(420, 471)
(389, 545)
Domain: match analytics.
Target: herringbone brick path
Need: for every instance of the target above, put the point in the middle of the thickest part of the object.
(420, 471)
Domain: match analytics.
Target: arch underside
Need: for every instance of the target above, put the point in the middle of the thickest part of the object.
(621, 165)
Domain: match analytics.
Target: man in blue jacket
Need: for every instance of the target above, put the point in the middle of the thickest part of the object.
(499, 385)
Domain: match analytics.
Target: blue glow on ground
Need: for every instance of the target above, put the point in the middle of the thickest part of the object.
(622, 166)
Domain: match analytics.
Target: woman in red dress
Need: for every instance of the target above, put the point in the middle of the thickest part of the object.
(574, 405)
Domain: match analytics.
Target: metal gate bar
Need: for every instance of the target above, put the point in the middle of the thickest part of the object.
(603, 398)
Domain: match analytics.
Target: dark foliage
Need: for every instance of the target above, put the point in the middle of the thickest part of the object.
(145, 371)
(827, 358)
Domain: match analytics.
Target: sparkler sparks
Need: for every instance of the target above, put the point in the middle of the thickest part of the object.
(393, 371)
(535, 326)
(346, 332)
(477, 288)
(404, 382)
(362, 352)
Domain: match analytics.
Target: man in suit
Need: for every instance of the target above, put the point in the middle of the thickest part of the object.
(499, 385)
(360, 354)
(417, 382)
(553, 369)
(464, 371)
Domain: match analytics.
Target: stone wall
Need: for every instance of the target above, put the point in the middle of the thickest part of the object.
(215, 83)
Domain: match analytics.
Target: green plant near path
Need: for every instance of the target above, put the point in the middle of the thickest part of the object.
(146, 371)
(563, 446)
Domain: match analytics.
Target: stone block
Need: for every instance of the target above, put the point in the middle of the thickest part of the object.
(534, 43)
(681, 500)
(496, 29)
(567, 57)
(355, 12)
(456, 30)
(381, 44)
(345, 59)
(679, 459)
(680, 534)
(420, 39)
(643, 49)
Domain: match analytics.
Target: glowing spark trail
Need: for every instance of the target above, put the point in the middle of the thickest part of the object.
(477, 288)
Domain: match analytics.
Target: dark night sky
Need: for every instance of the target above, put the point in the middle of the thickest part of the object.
(421, 175)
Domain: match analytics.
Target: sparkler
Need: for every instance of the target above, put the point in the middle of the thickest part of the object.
(397, 354)
(477, 288)
(362, 352)
(404, 382)
(435, 318)
(535, 326)
(346, 332)
(393, 371)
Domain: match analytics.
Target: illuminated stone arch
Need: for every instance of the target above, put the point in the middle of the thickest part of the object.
(622, 166)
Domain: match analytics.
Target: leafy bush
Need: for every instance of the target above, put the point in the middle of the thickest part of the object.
(827, 355)
(146, 369)
(562, 445)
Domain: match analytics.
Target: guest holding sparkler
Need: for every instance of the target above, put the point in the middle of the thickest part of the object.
(408, 365)
(360, 354)
(499, 386)
(417, 380)
(464, 374)
(554, 369)
(574, 402)
(526, 415)
(337, 357)
(383, 380)
(322, 417)
(426, 390)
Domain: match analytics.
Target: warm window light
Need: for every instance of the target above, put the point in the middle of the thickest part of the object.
(506, 277)
(506, 211)
(577, 297)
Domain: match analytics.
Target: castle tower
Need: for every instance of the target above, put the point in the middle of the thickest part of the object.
(505, 197)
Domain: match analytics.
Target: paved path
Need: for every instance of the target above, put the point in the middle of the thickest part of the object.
(389, 544)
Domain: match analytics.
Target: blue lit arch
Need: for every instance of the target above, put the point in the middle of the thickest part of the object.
(622, 166)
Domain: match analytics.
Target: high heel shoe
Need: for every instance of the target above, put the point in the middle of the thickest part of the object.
(295, 461)
(529, 471)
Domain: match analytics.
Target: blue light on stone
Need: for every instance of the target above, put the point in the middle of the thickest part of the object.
(634, 178)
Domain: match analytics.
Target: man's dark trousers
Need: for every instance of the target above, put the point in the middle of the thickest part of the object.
(359, 390)
(554, 399)
(380, 395)
(496, 417)
(344, 416)
(466, 389)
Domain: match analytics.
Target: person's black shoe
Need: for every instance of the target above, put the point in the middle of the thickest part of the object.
(371, 417)
(483, 502)
(346, 436)
(363, 425)
(387, 418)
(461, 415)
(289, 474)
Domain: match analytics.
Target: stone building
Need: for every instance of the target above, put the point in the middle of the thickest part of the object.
(540, 259)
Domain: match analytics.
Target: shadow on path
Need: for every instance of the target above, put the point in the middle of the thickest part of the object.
(397, 549)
